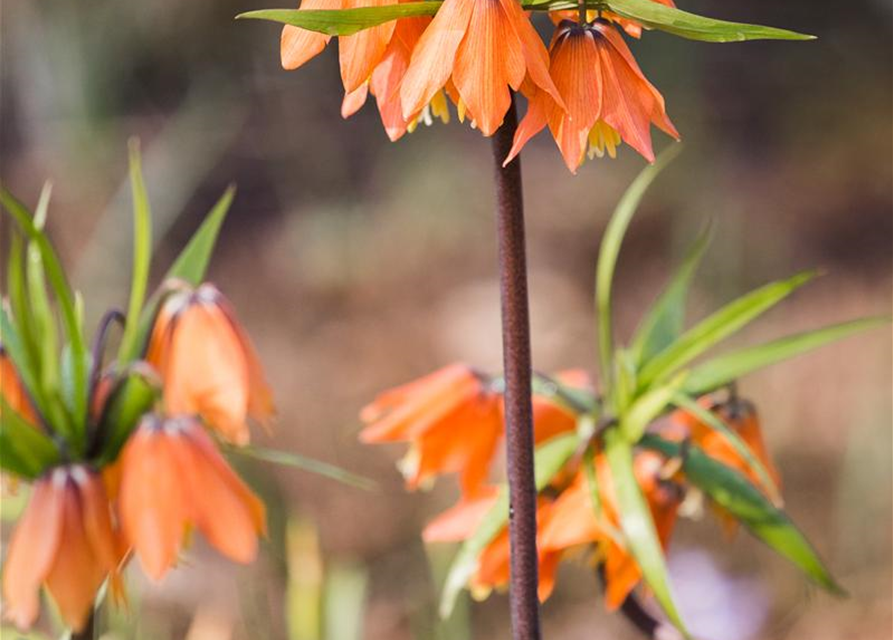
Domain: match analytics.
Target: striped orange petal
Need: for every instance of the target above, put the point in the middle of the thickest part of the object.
(361, 52)
(297, 45)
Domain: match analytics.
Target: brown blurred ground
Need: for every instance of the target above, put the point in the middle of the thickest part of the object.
(357, 264)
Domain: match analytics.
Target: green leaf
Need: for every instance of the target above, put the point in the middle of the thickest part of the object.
(142, 250)
(44, 321)
(719, 326)
(665, 320)
(714, 422)
(731, 366)
(193, 261)
(647, 407)
(190, 266)
(59, 283)
(343, 22)
(610, 250)
(638, 525)
(689, 25)
(26, 451)
(19, 303)
(134, 394)
(550, 457)
(305, 464)
(737, 495)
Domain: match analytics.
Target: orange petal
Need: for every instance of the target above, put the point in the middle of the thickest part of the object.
(208, 372)
(434, 55)
(533, 122)
(32, 551)
(77, 573)
(297, 45)
(536, 58)
(354, 100)
(488, 61)
(361, 52)
(461, 521)
(225, 510)
(152, 508)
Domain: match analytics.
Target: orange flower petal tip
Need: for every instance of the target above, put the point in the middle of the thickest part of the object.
(485, 47)
(172, 479)
(208, 365)
(13, 391)
(64, 541)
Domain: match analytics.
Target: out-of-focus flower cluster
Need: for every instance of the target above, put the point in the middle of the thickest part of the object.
(143, 466)
(587, 86)
(453, 422)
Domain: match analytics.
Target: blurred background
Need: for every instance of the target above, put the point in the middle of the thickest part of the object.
(357, 264)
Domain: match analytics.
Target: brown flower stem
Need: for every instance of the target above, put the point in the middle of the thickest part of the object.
(517, 366)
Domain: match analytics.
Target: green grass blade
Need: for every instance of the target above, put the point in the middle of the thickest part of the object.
(731, 366)
(192, 263)
(610, 250)
(719, 326)
(142, 251)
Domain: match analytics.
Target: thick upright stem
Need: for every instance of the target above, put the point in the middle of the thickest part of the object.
(87, 632)
(517, 365)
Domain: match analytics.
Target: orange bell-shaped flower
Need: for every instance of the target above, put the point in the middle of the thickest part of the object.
(485, 47)
(64, 541)
(172, 478)
(606, 97)
(208, 365)
(450, 417)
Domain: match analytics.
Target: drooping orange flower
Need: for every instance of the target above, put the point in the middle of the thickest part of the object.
(358, 53)
(606, 95)
(385, 81)
(567, 522)
(572, 521)
(173, 478)
(13, 391)
(742, 418)
(65, 541)
(485, 46)
(451, 418)
(208, 365)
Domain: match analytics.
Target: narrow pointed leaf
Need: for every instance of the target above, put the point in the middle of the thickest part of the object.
(689, 25)
(731, 366)
(714, 422)
(638, 525)
(343, 22)
(132, 396)
(665, 320)
(304, 463)
(549, 458)
(18, 301)
(737, 495)
(610, 250)
(193, 261)
(56, 277)
(648, 407)
(24, 450)
(142, 250)
(719, 326)
(190, 266)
